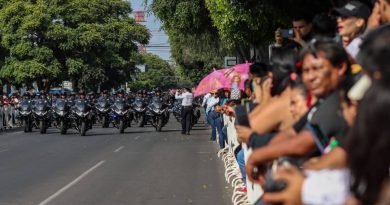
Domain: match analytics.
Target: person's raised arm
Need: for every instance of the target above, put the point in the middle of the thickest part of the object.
(297, 146)
(269, 119)
(177, 96)
(286, 134)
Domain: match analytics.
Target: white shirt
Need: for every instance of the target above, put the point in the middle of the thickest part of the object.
(211, 102)
(326, 187)
(353, 48)
(205, 98)
(186, 97)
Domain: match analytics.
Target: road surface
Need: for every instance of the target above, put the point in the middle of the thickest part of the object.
(140, 167)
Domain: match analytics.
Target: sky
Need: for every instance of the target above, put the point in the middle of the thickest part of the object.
(158, 37)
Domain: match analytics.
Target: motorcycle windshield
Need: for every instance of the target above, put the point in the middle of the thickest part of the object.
(120, 106)
(138, 103)
(102, 103)
(60, 104)
(157, 104)
(25, 105)
(80, 105)
(40, 105)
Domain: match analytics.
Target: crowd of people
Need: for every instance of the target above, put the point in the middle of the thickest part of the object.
(316, 114)
(7, 111)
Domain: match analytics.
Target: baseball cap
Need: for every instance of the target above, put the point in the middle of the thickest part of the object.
(353, 8)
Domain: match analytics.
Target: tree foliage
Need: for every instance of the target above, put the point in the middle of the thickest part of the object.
(194, 40)
(158, 73)
(91, 42)
(230, 26)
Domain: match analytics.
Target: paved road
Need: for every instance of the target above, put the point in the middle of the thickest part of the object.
(140, 167)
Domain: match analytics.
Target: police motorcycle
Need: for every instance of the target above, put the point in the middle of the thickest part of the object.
(92, 102)
(195, 113)
(41, 113)
(25, 115)
(61, 115)
(139, 108)
(176, 110)
(103, 109)
(81, 115)
(120, 113)
(157, 113)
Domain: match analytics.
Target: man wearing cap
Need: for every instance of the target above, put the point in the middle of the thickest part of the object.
(351, 24)
(186, 111)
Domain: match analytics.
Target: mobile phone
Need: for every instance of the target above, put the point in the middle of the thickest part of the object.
(286, 33)
(242, 116)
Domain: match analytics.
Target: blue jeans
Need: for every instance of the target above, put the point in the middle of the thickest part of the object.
(241, 164)
(223, 137)
(214, 120)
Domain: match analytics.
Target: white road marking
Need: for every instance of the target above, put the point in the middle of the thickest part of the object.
(137, 137)
(62, 190)
(119, 149)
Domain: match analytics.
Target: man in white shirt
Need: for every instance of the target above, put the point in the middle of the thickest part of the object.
(186, 111)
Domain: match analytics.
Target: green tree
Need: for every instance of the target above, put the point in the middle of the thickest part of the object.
(202, 32)
(91, 42)
(195, 43)
(158, 73)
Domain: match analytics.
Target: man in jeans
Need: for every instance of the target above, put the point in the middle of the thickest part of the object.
(213, 117)
(7, 112)
(186, 111)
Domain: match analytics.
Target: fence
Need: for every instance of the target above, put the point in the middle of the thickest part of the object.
(232, 172)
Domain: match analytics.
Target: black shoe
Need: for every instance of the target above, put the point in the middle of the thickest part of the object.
(188, 133)
(183, 133)
(212, 139)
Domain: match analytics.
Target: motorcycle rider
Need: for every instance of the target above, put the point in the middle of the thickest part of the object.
(82, 96)
(120, 98)
(72, 98)
(63, 96)
(43, 96)
(158, 95)
(26, 96)
(145, 96)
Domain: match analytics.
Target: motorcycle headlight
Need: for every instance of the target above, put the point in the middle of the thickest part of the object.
(24, 112)
(40, 113)
(103, 109)
(82, 114)
(140, 109)
(60, 112)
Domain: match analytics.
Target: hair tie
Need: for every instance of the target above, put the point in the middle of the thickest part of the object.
(294, 76)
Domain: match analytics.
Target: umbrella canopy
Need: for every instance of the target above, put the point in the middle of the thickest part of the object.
(223, 79)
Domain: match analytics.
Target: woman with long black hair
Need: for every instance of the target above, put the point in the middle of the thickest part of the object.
(368, 147)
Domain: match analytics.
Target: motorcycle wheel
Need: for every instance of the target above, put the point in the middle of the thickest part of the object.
(159, 125)
(104, 122)
(141, 120)
(62, 127)
(121, 126)
(26, 125)
(30, 125)
(83, 128)
(42, 126)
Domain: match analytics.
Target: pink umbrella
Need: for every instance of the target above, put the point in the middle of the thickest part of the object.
(223, 79)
